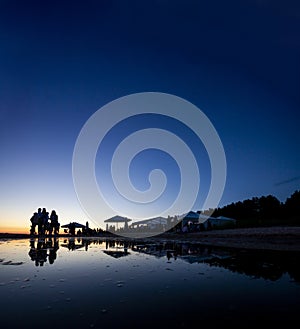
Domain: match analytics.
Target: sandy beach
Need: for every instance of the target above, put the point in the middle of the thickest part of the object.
(264, 238)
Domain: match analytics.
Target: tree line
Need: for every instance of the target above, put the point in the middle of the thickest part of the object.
(263, 211)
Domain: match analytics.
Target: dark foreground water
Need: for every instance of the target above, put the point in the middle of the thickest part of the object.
(82, 283)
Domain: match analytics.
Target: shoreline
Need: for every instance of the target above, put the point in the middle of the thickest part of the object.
(280, 238)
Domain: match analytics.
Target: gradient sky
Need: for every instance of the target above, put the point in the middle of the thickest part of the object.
(60, 61)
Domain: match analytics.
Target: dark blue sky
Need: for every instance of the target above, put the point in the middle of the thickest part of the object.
(238, 61)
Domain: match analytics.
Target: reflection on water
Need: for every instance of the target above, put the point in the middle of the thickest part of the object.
(95, 283)
(41, 249)
(271, 265)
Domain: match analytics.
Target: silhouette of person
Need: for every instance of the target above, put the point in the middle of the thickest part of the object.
(169, 255)
(54, 225)
(43, 222)
(32, 252)
(40, 221)
(34, 222)
(71, 244)
(53, 251)
(72, 228)
(41, 253)
(46, 223)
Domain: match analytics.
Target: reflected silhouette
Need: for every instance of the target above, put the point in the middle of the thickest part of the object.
(118, 248)
(73, 243)
(43, 248)
(266, 264)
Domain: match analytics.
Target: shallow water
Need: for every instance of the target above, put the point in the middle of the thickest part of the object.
(111, 283)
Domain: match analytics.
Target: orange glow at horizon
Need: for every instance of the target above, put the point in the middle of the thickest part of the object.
(13, 229)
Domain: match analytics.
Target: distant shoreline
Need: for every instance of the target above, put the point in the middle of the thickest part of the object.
(283, 238)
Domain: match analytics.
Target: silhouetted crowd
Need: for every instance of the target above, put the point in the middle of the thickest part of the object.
(46, 224)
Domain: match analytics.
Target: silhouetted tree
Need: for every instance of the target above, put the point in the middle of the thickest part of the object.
(291, 208)
(263, 211)
(269, 208)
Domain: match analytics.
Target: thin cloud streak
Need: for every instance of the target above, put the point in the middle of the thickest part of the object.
(288, 181)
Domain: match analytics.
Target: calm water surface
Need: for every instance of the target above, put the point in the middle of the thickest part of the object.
(98, 283)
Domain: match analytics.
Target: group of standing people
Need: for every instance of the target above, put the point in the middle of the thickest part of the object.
(45, 223)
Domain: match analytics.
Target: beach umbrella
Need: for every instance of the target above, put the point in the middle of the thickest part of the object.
(77, 225)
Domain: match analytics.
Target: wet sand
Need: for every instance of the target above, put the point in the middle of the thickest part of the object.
(263, 238)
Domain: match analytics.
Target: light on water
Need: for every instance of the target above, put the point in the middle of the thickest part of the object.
(111, 283)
